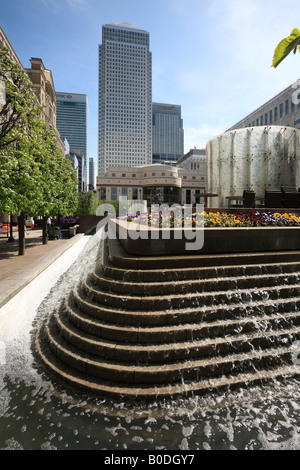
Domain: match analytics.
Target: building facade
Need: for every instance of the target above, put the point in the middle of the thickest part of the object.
(194, 160)
(72, 123)
(167, 133)
(125, 97)
(91, 173)
(155, 184)
(43, 84)
(282, 110)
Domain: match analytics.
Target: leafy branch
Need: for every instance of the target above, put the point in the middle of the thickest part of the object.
(286, 46)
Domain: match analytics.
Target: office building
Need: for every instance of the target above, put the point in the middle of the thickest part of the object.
(282, 110)
(125, 97)
(71, 121)
(167, 133)
(91, 174)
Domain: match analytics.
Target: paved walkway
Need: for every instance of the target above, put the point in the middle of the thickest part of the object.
(18, 271)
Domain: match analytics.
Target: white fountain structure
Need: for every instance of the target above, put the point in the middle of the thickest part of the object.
(254, 158)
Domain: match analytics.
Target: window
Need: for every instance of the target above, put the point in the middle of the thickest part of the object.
(266, 119)
(293, 106)
(102, 194)
(114, 196)
(188, 196)
(281, 110)
(287, 107)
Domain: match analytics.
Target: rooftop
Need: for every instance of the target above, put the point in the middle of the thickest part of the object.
(124, 25)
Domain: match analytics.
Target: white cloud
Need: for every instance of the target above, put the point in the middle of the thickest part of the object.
(57, 5)
(78, 4)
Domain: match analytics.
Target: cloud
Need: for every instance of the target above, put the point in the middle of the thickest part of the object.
(57, 5)
(78, 4)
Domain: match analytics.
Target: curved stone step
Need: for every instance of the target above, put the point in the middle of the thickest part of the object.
(181, 274)
(194, 285)
(169, 351)
(193, 299)
(172, 350)
(116, 390)
(181, 332)
(159, 318)
(163, 373)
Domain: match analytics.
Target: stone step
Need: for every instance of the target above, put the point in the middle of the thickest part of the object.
(116, 390)
(170, 351)
(184, 300)
(195, 285)
(119, 258)
(109, 271)
(162, 373)
(159, 318)
(181, 332)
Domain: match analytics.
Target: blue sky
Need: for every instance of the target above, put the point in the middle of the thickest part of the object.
(212, 57)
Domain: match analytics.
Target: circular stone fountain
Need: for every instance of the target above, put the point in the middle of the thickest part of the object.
(153, 333)
(40, 412)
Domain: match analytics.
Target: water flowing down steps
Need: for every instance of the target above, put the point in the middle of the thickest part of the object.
(164, 331)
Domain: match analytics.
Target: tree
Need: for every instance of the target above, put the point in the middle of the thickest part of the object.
(87, 203)
(19, 106)
(58, 182)
(286, 46)
(35, 176)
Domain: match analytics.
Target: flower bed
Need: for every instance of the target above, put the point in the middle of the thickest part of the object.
(218, 219)
(222, 232)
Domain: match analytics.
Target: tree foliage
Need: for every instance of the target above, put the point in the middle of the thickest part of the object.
(87, 203)
(35, 177)
(20, 107)
(286, 46)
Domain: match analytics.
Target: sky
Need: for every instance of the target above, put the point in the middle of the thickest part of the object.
(212, 57)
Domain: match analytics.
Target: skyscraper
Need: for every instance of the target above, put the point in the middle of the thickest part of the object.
(125, 97)
(71, 122)
(91, 173)
(167, 132)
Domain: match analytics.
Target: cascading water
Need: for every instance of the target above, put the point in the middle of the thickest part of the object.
(39, 412)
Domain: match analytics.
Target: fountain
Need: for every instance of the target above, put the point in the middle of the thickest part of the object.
(38, 410)
(155, 333)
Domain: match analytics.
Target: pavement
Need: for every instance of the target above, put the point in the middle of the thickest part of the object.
(16, 272)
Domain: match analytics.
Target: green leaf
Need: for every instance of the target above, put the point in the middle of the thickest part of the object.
(287, 45)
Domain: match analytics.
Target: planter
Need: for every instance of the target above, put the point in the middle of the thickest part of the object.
(142, 240)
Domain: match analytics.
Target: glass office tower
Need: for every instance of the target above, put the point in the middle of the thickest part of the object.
(72, 122)
(167, 133)
(125, 97)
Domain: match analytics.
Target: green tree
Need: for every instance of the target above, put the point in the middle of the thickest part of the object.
(19, 107)
(87, 203)
(35, 176)
(286, 46)
(57, 185)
